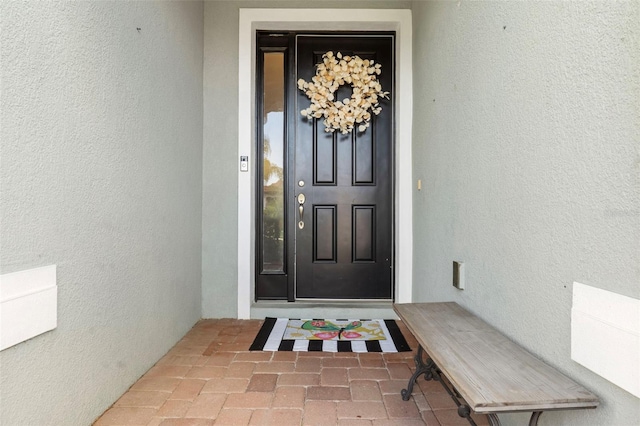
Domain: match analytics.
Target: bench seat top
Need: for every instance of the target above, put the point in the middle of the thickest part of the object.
(492, 373)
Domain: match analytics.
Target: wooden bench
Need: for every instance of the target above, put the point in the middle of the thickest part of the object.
(488, 371)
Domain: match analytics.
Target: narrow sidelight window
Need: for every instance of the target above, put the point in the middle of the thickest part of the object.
(274, 280)
(273, 162)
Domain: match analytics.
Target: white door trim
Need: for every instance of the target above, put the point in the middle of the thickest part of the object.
(398, 20)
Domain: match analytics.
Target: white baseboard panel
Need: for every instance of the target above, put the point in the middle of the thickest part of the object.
(605, 335)
(28, 304)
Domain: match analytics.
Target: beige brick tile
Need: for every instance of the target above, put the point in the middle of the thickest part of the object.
(398, 357)
(188, 350)
(361, 410)
(176, 352)
(191, 343)
(341, 362)
(233, 417)
(206, 406)
(262, 383)
(231, 330)
(313, 354)
(371, 360)
(126, 416)
(368, 374)
(345, 355)
(189, 361)
(450, 418)
(398, 422)
(289, 397)
(254, 356)
(241, 370)
(365, 390)
(308, 365)
(148, 399)
(285, 356)
(421, 401)
(430, 419)
(221, 323)
(440, 401)
(245, 338)
(396, 407)
(334, 377)
(188, 389)
(225, 385)
(220, 359)
(199, 338)
(206, 372)
(299, 379)
(252, 325)
(399, 370)
(233, 386)
(162, 384)
(228, 338)
(354, 422)
(430, 386)
(174, 408)
(164, 370)
(252, 400)
(319, 413)
(329, 393)
(275, 367)
(276, 417)
(235, 347)
(187, 422)
(394, 386)
(213, 347)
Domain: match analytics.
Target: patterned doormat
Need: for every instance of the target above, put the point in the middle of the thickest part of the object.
(283, 334)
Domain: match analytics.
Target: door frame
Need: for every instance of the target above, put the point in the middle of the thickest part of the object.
(398, 20)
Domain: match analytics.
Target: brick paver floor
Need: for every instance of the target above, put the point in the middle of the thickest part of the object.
(209, 378)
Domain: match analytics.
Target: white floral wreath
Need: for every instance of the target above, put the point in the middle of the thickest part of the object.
(333, 72)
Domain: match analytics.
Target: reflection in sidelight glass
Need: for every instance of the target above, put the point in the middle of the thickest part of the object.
(273, 163)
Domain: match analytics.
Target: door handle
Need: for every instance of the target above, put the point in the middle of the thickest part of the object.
(301, 200)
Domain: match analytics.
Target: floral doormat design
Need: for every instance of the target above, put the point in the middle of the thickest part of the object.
(334, 330)
(341, 335)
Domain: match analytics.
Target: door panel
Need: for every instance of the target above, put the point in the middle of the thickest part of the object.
(324, 156)
(344, 249)
(364, 234)
(324, 234)
(364, 159)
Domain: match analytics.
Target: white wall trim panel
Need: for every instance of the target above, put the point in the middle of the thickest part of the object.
(398, 20)
(28, 304)
(605, 335)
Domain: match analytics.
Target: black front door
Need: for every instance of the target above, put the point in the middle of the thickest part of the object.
(325, 210)
(344, 230)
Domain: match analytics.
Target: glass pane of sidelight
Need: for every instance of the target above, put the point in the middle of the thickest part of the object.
(273, 163)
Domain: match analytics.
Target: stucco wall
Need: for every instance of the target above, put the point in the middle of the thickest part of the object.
(220, 150)
(100, 174)
(527, 141)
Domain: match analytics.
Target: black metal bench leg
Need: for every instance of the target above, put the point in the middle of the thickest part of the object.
(421, 368)
(494, 421)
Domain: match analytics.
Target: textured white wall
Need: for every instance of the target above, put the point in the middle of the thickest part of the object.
(100, 173)
(527, 141)
(220, 151)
